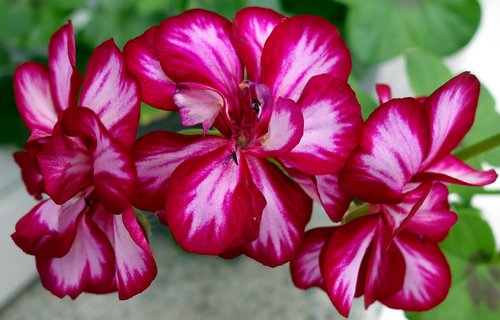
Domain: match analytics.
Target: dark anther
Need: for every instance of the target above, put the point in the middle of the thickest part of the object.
(231, 156)
(87, 201)
(256, 106)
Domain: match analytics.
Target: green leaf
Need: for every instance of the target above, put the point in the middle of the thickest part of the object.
(12, 129)
(475, 268)
(379, 30)
(471, 239)
(364, 99)
(226, 8)
(327, 9)
(426, 72)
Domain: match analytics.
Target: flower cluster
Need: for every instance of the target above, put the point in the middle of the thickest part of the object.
(279, 127)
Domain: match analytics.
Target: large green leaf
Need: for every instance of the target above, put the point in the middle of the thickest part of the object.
(475, 289)
(335, 12)
(379, 30)
(426, 71)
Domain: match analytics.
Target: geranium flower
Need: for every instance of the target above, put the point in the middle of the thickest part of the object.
(273, 87)
(86, 236)
(406, 141)
(390, 255)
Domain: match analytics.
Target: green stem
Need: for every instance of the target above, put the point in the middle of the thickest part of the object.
(479, 147)
(359, 211)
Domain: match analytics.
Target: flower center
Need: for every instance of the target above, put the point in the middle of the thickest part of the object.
(254, 98)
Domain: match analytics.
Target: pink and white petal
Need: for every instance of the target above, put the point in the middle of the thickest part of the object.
(250, 29)
(285, 130)
(341, 261)
(427, 277)
(112, 93)
(386, 268)
(196, 47)
(334, 201)
(305, 266)
(156, 156)
(284, 218)
(325, 190)
(396, 216)
(451, 110)
(114, 173)
(332, 125)
(422, 212)
(392, 147)
(66, 166)
(197, 104)
(87, 267)
(135, 265)
(65, 80)
(33, 97)
(211, 203)
(383, 92)
(452, 170)
(142, 61)
(30, 174)
(434, 218)
(48, 229)
(298, 49)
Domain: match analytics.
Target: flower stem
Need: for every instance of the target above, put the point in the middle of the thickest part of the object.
(359, 211)
(479, 147)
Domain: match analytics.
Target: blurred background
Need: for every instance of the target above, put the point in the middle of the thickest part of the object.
(412, 45)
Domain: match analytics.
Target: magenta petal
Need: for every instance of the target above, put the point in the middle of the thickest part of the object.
(32, 178)
(383, 92)
(284, 218)
(112, 93)
(65, 79)
(451, 110)
(427, 278)
(392, 146)
(135, 265)
(324, 189)
(88, 266)
(342, 260)
(285, 130)
(433, 217)
(300, 48)
(452, 170)
(305, 266)
(198, 104)
(335, 201)
(33, 97)
(250, 30)
(156, 156)
(66, 166)
(142, 61)
(114, 173)
(386, 268)
(196, 47)
(332, 123)
(212, 203)
(48, 229)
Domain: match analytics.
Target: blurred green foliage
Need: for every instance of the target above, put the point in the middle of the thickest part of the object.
(382, 29)
(475, 266)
